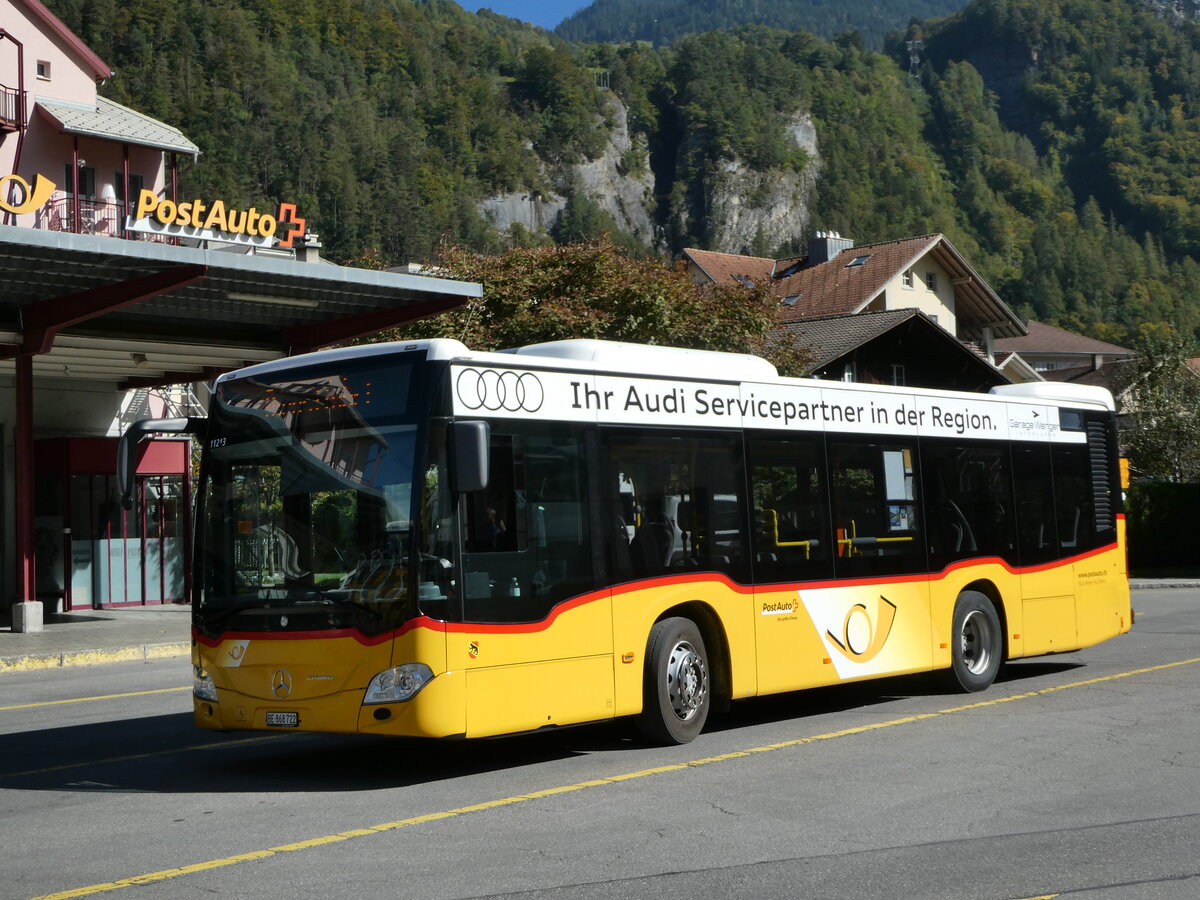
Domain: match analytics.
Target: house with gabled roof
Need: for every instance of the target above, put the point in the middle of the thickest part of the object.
(1061, 355)
(895, 346)
(924, 274)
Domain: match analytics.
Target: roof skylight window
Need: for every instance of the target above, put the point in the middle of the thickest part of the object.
(858, 260)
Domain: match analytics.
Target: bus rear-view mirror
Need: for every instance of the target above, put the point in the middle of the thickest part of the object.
(469, 455)
(127, 448)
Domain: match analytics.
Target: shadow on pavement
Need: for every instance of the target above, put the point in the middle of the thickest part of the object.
(168, 754)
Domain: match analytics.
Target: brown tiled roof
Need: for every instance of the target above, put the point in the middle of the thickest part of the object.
(1043, 338)
(1114, 375)
(832, 338)
(835, 288)
(829, 337)
(723, 267)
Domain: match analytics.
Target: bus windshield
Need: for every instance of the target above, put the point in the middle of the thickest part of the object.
(308, 499)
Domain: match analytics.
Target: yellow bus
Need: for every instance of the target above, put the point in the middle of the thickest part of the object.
(418, 539)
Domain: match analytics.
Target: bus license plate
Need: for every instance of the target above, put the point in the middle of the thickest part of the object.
(283, 719)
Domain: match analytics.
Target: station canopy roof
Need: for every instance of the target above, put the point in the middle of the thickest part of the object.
(142, 314)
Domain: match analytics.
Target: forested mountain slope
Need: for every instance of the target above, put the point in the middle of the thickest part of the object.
(1053, 141)
(1072, 129)
(663, 21)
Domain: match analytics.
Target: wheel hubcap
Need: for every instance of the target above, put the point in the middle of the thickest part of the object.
(976, 642)
(687, 681)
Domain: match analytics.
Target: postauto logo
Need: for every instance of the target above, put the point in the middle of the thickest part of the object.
(494, 390)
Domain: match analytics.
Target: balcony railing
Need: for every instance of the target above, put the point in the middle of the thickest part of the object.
(100, 217)
(12, 110)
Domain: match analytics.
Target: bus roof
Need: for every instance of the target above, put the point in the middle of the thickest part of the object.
(652, 360)
(1060, 391)
(622, 357)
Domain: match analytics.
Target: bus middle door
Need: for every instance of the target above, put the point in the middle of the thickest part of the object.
(537, 640)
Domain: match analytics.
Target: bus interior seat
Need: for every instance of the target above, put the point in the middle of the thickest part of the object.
(953, 530)
(622, 559)
(652, 546)
(1074, 541)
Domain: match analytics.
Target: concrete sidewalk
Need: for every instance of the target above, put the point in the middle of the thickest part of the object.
(91, 636)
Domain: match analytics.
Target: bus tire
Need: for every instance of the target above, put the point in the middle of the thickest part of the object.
(676, 689)
(976, 643)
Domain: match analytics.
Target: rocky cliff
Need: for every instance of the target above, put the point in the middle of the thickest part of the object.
(739, 209)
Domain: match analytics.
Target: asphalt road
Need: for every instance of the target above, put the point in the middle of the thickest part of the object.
(1075, 776)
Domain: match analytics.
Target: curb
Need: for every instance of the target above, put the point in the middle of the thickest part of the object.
(34, 661)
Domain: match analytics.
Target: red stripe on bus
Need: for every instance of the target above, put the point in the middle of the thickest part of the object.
(637, 586)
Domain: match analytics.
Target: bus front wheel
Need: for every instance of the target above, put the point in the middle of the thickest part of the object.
(976, 643)
(677, 691)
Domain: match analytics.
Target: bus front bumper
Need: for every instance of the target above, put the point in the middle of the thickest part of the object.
(438, 711)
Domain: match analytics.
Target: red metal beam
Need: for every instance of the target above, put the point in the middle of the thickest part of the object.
(44, 319)
(302, 338)
(208, 373)
(23, 444)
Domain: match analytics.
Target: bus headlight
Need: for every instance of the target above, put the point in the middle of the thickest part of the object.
(202, 685)
(398, 684)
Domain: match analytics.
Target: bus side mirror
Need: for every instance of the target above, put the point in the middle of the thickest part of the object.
(127, 448)
(469, 456)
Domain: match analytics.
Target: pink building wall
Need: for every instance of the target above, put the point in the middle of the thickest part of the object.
(74, 74)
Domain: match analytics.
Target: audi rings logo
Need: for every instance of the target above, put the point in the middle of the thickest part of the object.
(494, 391)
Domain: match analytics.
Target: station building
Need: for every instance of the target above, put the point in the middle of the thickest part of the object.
(119, 295)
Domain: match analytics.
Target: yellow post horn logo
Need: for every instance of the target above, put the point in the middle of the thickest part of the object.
(35, 196)
(863, 635)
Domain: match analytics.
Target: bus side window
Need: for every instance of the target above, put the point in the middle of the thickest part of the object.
(791, 534)
(492, 523)
(968, 496)
(681, 500)
(877, 528)
(528, 535)
(1033, 486)
(1073, 498)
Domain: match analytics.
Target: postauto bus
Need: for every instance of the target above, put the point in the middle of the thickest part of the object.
(418, 539)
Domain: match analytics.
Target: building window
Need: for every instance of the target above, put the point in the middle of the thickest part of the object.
(858, 261)
(898, 374)
(933, 318)
(87, 181)
(136, 184)
(931, 280)
(907, 279)
(43, 69)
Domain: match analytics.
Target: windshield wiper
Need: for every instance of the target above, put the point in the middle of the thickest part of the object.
(222, 616)
(317, 597)
(296, 602)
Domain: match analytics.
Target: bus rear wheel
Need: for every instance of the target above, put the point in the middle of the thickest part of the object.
(976, 643)
(677, 692)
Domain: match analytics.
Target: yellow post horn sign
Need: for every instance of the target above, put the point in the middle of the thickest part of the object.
(35, 196)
